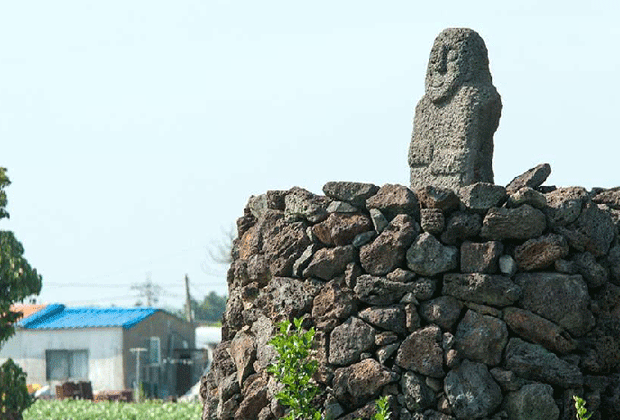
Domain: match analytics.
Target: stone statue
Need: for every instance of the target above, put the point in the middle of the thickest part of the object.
(452, 141)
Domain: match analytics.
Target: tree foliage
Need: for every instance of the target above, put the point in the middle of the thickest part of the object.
(211, 308)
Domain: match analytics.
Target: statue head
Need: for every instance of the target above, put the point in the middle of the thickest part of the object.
(458, 56)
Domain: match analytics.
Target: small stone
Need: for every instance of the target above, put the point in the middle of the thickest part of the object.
(471, 391)
(532, 178)
(363, 238)
(593, 273)
(356, 384)
(381, 291)
(507, 379)
(355, 193)
(341, 207)
(484, 309)
(482, 288)
(461, 226)
(387, 318)
(340, 229)
(329, 262)
(417, 395)
(481, 338)
(539, 253)
(285, 298)
(412, 317)
(385, 338)
(424, 288)
(302, 204)
(432, 197)
(351, 273)
(443, 311)
(243, 353)
(385, 352)
(564, 205)
(524, 222)
(400, 275)
(421, 352)
(481, 196)
(507, 265)
(254, 398)
(593, 231)
(333, 302)
(378, 220)
(302, 262)
(480, 257)
(529, 196)
(432, 221)
(532, 402)
(395, 199)
(349, 340)
(428, 257)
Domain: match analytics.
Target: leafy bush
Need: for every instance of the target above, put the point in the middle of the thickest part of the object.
(580, 406)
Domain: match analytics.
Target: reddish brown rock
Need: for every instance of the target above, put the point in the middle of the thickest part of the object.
(542, 252)
(539, 330)
(333, 303)
(480, 257)
(254, 398)
(432, 221)
(356, 384)
(327, 263)
(421, 352)
(387, 251)
(340, 229)
(395, 199)
(443, 199)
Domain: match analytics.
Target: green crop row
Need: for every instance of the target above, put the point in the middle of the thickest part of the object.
(88, 410)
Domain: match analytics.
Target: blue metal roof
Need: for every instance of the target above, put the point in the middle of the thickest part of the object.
(58, 316)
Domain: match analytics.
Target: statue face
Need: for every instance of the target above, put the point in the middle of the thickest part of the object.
(446, 69)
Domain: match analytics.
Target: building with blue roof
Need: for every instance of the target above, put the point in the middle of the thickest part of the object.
(56, 343)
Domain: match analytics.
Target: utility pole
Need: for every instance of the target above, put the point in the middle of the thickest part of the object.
(148, 290)
(137, 350)
(188, 301)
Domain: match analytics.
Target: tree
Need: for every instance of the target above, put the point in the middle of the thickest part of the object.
(17, 281)
(211, 308)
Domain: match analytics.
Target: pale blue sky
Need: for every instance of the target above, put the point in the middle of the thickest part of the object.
(134, 131)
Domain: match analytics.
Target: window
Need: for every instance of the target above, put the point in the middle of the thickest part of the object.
(66, 364)
(154, 351)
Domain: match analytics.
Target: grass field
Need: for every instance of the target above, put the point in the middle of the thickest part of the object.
(88, 410)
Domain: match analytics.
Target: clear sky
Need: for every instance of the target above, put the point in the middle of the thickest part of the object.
(135, 130)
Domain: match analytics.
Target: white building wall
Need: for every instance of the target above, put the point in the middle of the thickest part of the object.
(104, 345)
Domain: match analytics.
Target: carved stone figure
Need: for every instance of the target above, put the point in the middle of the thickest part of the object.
(452, 141)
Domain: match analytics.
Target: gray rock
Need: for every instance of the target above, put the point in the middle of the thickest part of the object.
(428, 257)
(541, 252)
(480, 257)
(254, 398)
(412, 317)
(443, 199)
(421, 352)
(272, 200)
(482, 288)
(341, 207)
(593, 231)
(395, 199)
(539, 330)
(327, 263)
(533, 361)
(263, 330)
(593, 273)
(443, 311)
(471, 391)
(566, 267)
(481, 196)
(333, 303)
(461, 226)
(400, 275)
(304, 259)
(507, 379)
(355, 193)
(564, 205)
(524, 222)
(387, 318)
(432, 221)
(387, 251)
(484, 309)
(385, 352)
(340, 229)
(532, 178)
(356, 384)
(363, 238)
(613, 261)
(481, 338)
(424, 288)
(417, 395)
(351, 273)
(386, 337)
(452, 142)
(381, 291)
(378, 220)
(529, 196)
(302, 204)
(532, 402)
(242, 350)
(285, 298)
(560, 298)
(350, 339)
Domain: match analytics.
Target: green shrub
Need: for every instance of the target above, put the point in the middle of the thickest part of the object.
(580, 406)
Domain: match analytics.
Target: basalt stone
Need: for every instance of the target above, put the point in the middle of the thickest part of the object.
(593, 231)
(341, 207)
(356, 384)
(482, 288)
(334, 302)
(443, 311)
(254, 398)
(391, 318)
(481, 338)
(417, 395)
(593, 273)
(351, 273)
(363, 238)
(284, 246)
(560, 298)
(385, 352)
(481, 196)
(355, 193)
(379, 221)
(529, 196)
(480, 257)
(443, 199)
(386, 337)
(428, 257)
(327, 263)
(285, 298)
(412, 317)
(387, 251)
(421, 352)
(524, 222)
(252, 240)
(471, 391)
(340, 229)
(613, 262)
(304, 259)
(452, 141)
(609, 197)
(400, 275)
(432, 221)
(532, 402)
(461, 226)
(263, 330)
(350, 339)
(542, 252)
(395, 199)
(242, 350)
(532, 178)
(381, 291)
(272, 200)
(507, 379)
(533, 361)
(539, 330)
(566, 267)
(507, 265)
(424, 288)
(302, 204)
(564, 205)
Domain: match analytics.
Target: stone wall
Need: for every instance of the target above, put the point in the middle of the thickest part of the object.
(493, 303)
